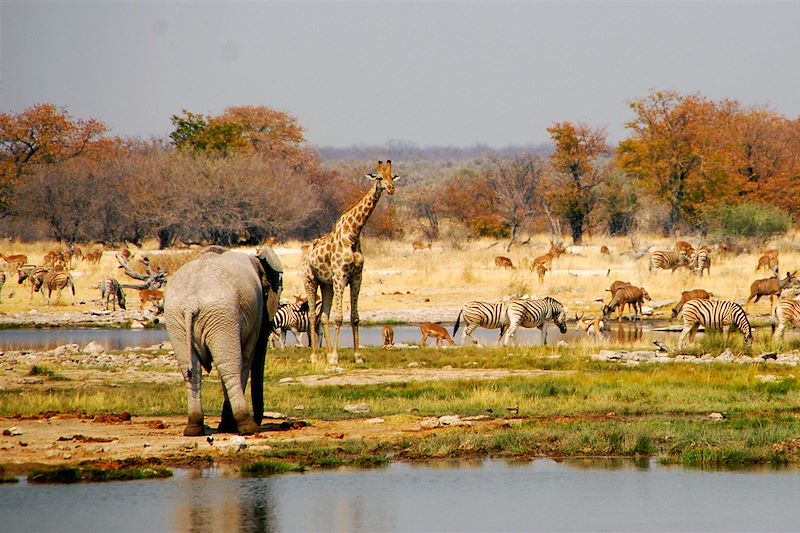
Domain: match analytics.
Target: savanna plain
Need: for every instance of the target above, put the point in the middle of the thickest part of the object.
(76, 418)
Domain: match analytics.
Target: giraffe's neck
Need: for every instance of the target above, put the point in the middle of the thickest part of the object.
(348, 227)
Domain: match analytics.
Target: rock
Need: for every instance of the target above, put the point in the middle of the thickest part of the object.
(93, 347)
(334, 370)
(562, 344)
(287, 380)
(136, 325)
(607, 355)
(12, 431)
(716, 417)
(375, 421)
(447, 367)
(647, 310)
(412, 364)
(357, 408)
(273, 414)
(430, 423)
(166, 345)
(453, 420)
(768, 378)
(727, 355)
(299, 407)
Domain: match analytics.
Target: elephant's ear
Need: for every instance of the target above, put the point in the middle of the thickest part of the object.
(270, 271)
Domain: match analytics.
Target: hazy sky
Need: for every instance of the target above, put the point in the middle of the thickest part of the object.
(442, 73)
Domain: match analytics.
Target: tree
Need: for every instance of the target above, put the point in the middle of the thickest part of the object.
(516, 186)
(245, 130)
(42, 135)
(667, 149)
(577, 172)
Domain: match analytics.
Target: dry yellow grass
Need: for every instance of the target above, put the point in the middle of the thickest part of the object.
(444, 277)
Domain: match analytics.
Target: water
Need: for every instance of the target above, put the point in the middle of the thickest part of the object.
(119, 339)
(486, 496)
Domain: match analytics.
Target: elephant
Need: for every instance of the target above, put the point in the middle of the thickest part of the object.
(218, 309)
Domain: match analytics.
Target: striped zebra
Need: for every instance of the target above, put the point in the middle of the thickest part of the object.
(2, 281)
(57, 281)
(294, 317)
(701, 260)
(714, 314)
(111, 292)
(535, 314)
(787, 311)
(36, 277)
(668, 260)
(489, 315)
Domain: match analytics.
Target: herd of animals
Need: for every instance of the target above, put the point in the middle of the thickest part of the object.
(221, 307)
(53, 276)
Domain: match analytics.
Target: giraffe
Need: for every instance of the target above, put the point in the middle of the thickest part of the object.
(335, 260)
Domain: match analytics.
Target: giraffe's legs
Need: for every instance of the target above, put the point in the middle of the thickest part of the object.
(327, 301)
(311, 294)
(338, 295)
(355, 288)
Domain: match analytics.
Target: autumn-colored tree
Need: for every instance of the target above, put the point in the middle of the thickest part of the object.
(42, 135)
(467, 198)
(667, 150)
(577, 173)
(245, 130)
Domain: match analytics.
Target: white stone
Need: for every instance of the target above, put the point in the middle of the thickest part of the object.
(375, 421)
(413, 364)
(287, 380)
(357, 408)
(274, 415)
(717, 417)
(93, 347)
(430, 423)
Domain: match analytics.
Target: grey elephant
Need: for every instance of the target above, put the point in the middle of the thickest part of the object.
(218, 309)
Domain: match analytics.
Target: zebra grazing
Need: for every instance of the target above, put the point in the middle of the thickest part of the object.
(36, 277)
(714, 314)
(701, 260)
(294, 317)
(668, 260)
(487, 315)
(57, 281)
(111, 292)
(787, 311)
(535, 314)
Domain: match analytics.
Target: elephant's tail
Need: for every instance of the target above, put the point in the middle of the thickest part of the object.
(188, 324)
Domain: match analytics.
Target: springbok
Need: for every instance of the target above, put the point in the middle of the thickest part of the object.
(434, 331)
(592, 328)
(388, 336)
(503, 262)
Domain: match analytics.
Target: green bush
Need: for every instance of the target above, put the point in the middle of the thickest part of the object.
(750, 221)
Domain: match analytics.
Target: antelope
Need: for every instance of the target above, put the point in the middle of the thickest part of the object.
(503, 262)
(434, 331)
(770, 287)
(151, 295)
(768, 260)
(593, 327)
(540, 270)
(388, 336)
(545, 260)
(685, 247)
(618, 284)
(93, 257)
(627, 295)
(419, 245)
(694, 294)
(14, 262)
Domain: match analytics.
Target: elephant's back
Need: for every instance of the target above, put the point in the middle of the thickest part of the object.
(211, 279)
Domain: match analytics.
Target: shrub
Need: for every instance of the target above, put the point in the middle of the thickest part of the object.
(750, 221)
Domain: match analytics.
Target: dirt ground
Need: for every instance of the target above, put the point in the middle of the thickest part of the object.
(64, 439)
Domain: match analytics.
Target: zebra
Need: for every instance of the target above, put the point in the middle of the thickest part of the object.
(701, 260)
(294, 318)
(787, 311)
(36, 277)
(111, 291)
(489, 315)
(57, 281)
(714, 314)
(2, 281)
(668, 260)
(535, 314)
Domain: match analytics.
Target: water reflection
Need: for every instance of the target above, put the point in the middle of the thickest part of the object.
(544, 495)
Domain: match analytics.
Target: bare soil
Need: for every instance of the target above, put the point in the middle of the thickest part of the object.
(52, 440)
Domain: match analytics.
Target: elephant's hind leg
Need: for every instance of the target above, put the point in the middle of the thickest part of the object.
(193, 377)
(226, 350)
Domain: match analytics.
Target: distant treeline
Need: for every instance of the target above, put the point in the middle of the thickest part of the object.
(689, 164)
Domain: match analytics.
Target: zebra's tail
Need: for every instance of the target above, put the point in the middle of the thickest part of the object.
(774, 320)
(458, 321)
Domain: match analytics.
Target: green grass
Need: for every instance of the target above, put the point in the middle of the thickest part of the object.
(43, 371)
(101, 473)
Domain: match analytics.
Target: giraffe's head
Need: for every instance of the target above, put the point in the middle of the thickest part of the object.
(384, 176)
